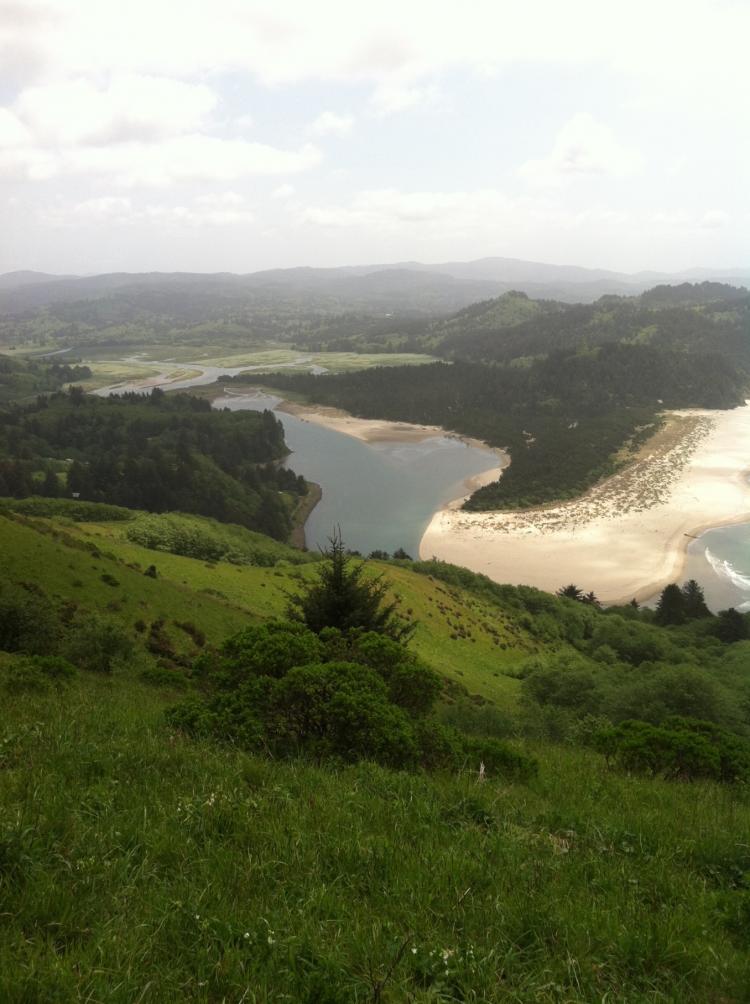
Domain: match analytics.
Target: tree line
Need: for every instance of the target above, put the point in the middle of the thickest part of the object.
(158, 453)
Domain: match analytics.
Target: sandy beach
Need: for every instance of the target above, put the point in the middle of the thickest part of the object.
(369, 430)
(628, 536)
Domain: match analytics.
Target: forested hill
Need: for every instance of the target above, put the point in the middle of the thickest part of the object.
(707, 316)
(23, 378)
(158, 453)
(563, 418)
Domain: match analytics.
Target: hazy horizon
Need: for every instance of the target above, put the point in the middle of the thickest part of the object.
(250, 136)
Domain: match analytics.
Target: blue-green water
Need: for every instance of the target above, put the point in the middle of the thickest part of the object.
(720, 561)
(383, 494)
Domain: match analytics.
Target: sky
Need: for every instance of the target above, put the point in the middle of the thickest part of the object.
(239, 135)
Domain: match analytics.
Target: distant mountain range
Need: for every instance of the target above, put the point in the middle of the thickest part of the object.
(412, 287)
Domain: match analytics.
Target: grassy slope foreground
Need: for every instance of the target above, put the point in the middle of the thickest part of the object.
(137, 865)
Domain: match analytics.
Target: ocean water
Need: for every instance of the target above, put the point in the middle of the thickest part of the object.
(720, 561)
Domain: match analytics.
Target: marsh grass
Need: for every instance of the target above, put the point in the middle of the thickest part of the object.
(138, 866)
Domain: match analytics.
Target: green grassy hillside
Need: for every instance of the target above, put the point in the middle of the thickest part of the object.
(470, 640)
(137, 864)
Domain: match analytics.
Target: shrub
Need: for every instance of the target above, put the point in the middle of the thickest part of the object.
(193, 631)
(439, 747)
(271, 649)
(96, 644)
(37, 674)
(159, 676)
(28, 621)
(499, 758)
(341, 710)
(684, 749)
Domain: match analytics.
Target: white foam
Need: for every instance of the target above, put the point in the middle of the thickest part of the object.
(726, 570)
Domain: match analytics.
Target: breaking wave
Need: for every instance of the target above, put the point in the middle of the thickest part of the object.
(726, 570)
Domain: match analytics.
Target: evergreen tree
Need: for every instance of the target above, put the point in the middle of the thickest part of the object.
(695, 601)
(50, 485)
(572, 592)
(343, 598)
(731, 626)
(671, 606)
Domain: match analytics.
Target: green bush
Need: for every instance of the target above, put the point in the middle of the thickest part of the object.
(499, 759)
(37, 674)
(97, 644)
(159, 676)
(439, 746)
(681, 749)
(28, 621)
(340, 710)
(344, 696)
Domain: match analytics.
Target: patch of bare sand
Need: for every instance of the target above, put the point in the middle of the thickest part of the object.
(626, 537)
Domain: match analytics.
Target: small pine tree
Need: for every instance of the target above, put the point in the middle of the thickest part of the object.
(343, 598)
(572, 592)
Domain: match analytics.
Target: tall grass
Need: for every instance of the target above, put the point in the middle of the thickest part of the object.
(137, 866)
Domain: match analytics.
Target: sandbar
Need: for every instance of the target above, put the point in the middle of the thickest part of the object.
(628, 536)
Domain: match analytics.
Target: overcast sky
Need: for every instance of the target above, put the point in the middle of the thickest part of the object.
(239, 135)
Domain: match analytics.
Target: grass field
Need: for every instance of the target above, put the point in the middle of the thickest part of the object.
(138, 866)
(470, 641)
(176, 360)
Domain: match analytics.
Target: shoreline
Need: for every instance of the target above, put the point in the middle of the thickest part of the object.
(626, 537)
(301, 514)
(375, 430)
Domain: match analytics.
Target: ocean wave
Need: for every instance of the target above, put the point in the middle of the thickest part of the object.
(726, 570)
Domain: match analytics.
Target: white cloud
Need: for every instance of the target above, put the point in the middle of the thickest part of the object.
(184, 158)
(331, 124)
(582, 148)
(13, 132)
(694, 50)
(485, 213)
(714, 219)
(682, 219)
(213, 210)
(392, 98)
(283, 192)
(130, 107)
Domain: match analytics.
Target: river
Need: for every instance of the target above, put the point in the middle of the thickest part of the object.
(381, 494)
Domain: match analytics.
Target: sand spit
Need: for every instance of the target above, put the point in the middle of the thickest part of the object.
(628, 536)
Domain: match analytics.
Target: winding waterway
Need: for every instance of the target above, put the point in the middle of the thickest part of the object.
(382, 494)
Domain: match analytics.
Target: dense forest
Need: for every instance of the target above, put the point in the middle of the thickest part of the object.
(562, 417)
(23, 378)
(156, 453)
